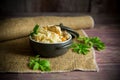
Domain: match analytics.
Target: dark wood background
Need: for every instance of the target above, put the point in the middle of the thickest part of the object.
(37, 7)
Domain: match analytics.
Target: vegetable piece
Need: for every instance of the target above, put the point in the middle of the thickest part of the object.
(85, 43)
(36, 63)
(35, 30)
(85, 40)
(80, 48)
(45, 65)
(36, 66)
(97, 43)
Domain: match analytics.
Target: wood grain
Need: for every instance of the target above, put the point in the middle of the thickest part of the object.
(107, 72)
(21, 7)
(33, 7)
(110, 36)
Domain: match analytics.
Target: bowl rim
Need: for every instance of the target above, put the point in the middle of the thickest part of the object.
(70, 38)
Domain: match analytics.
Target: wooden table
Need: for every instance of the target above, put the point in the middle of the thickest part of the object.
(108, 60)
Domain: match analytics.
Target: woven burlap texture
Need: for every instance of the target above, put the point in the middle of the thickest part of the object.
(19, 27)
(15, 54)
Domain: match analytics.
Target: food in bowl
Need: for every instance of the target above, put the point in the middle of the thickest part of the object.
(50, 41)
(49, 34)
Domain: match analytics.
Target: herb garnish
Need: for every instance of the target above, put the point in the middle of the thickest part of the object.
(83, 44)
(35, 30)
(97, 43)
(80, 48)
(36, 63)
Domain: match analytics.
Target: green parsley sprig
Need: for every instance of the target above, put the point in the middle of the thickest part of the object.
(36, 63)
(83, 44)
(97, 43)
(80, 48)
(35, 30)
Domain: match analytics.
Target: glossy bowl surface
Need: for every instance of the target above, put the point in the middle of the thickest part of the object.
(49, 50)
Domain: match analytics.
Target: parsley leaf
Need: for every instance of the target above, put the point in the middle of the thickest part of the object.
(36, 63)
(83, 44)
(35, 30)
(45, 65)
(36, 66)
(80, 48)
(97, 43)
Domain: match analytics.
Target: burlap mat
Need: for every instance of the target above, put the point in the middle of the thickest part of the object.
(13, 28)
(14, 56)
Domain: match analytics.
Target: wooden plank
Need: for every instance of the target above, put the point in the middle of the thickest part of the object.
(21, 7)
(28, 6)
(107, 72)
(73, 6)
(12, 6)
(105, 6)
(110, 36)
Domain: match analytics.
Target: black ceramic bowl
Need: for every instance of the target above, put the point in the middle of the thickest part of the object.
(53, 49)
(50, 49)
